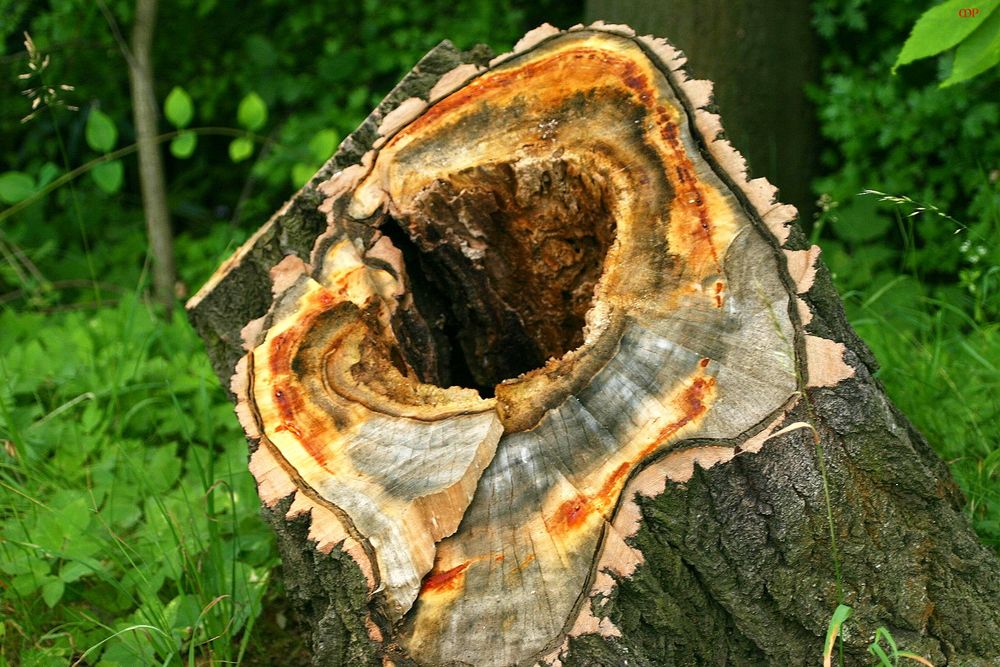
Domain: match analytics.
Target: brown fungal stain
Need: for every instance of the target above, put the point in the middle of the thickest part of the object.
(572, 514)
(448, 580)
(693, 404)
(719, 287)
(297, 421)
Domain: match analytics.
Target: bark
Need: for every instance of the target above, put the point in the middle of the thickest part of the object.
(151, 179)
(532, 373)
(762, 55)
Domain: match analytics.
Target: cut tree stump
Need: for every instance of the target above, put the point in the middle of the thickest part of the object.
(533, 374)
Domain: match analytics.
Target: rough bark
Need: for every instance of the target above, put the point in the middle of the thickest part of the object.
(668, 453)
(151, 179)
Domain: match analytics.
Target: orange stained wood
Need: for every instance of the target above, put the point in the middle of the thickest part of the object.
(574, 513)
(606, 73)
(297, 417)
(448, 580)
(694, 403)
(440, 581)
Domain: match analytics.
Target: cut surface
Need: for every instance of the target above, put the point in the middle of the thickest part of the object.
(552, 233)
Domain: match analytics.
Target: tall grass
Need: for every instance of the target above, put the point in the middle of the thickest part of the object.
(129, 531)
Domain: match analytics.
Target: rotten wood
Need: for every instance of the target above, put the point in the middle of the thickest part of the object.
(531, 373)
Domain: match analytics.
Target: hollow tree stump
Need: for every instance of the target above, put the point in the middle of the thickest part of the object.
(532, 373)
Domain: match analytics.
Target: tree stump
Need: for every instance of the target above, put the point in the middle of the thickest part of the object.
(532, 373)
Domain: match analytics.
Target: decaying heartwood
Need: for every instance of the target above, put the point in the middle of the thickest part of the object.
(533, 374)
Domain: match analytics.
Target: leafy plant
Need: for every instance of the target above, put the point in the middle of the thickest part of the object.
(252, 116)
(127, 516)
(901, 135)
(973, 31)
(179, 110)
(890, 658)
(102, 135)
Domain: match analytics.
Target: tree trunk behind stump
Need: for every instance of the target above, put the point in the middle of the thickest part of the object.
(532, 374)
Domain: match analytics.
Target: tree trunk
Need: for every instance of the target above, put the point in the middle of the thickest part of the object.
(531, 373)
(152, 182)
(762, 56)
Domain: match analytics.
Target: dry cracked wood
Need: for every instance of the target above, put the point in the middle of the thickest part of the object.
(547, 289)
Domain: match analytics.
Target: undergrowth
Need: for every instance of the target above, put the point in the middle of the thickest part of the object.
(129, 527)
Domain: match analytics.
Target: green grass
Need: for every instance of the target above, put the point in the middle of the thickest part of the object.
(129, 527)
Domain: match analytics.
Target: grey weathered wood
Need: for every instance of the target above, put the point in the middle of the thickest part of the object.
(735, 564)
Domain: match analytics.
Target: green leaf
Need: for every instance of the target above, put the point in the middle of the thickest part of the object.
(182, 612)
(100, 132)
(52, 592)
(178, 107)
(301, 173)
(183, 145)
(941, 28)
(15, 186)
(879, 652)
(47, 174)
(109, 176)
(73, 570)
(323, 144)
(252, 112)
(840, 615)
(883, 633)
(978, 53)
(75, 515)
(240, 149)
(164, 468)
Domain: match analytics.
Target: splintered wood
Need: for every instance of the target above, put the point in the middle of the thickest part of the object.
(548, 275)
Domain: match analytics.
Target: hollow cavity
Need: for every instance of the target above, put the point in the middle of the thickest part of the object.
(502, 261)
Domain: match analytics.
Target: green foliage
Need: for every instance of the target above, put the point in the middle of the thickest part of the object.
(15, 186)
(183, 145)
(252, 112)
(179, 111)
(902, 135)
(240, 149)
(951, 24)
(109, 176)
(891, 658)
(978, 53)
(124, 496)
(100, 131)
(833, 630)
(910, 225)
(178, 107)
(317, 70)
(102, 135)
